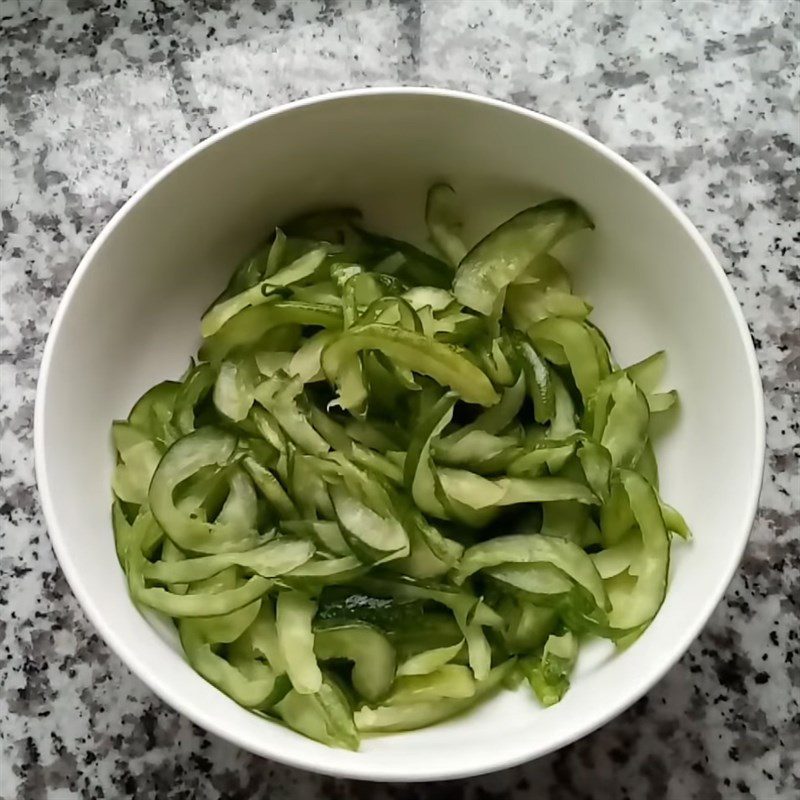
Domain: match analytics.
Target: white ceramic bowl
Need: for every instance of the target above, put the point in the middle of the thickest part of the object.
(130, 317)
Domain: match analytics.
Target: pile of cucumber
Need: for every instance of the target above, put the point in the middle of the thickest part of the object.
(395, 481)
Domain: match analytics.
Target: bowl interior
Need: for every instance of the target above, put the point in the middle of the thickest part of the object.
(131, 318)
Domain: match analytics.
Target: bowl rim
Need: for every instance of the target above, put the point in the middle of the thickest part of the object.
(494, 759)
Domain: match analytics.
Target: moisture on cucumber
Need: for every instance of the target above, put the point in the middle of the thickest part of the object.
(397, 479)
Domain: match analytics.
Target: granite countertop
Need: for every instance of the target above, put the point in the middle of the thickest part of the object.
(97, 98)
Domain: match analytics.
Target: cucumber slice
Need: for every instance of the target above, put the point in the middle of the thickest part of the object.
(373, 657)
(371, 537)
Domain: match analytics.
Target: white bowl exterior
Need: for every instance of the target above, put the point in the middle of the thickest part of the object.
(130, 318)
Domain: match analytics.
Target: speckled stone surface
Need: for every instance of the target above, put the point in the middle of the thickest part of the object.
(96, 98)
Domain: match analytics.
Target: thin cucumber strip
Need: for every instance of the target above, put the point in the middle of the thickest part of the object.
(449, 680)
(429, 660)
(135, 470)
(479, 652)
(539, 582)
(538, 380)
(203, 448)
(550, 676)
(304, 267)
(618, 558)
(373, 657)
(407, 717)
(648, 372)
(249, 326)
(445, 363)
(249, 684)
(371, 536)
(274, 558)
(632, 607)
(444, 222)
(501, 257)
(625, 432)
(324, 715)
(417, 473)
(532, 549)
(542, 490)
(578, 347)
(294, 613)
(280, 398)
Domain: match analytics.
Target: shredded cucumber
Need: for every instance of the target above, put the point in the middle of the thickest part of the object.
(395, 482)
